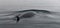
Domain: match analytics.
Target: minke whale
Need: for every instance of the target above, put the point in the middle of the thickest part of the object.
(29, 14)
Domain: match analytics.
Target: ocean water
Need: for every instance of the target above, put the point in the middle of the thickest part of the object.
(40, 20)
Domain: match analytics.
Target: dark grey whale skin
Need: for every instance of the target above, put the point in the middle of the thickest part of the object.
(26, 15)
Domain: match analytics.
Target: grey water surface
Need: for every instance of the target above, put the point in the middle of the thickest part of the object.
(39, 20)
